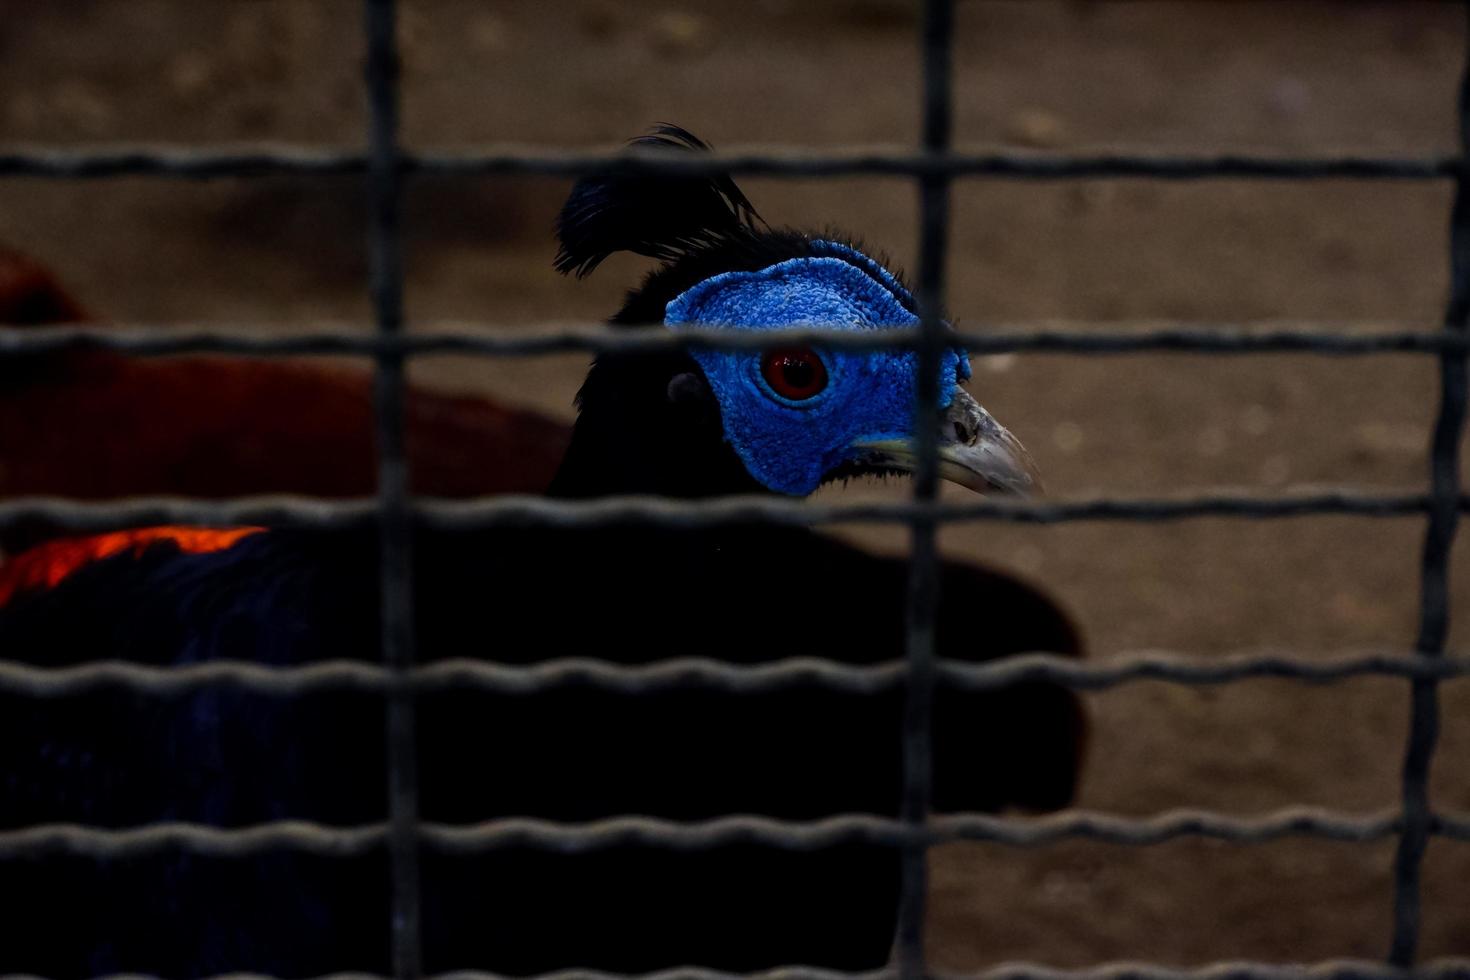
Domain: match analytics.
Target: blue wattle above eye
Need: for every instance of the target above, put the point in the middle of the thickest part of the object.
(788, 444)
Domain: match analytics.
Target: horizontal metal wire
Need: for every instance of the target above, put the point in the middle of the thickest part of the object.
(625, 831)
(1342, 969)
(698, 672)
(1445, 969)
(257, 160)
(523, 510)
(1339, 339)
(1453, 826)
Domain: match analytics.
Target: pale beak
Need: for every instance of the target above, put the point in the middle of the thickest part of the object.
(975, 451)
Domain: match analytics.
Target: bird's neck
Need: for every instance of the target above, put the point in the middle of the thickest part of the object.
(630, 439)
(605, 460)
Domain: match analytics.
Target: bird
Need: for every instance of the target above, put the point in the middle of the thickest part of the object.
(693, 425)
(31, 294)
(217, 426)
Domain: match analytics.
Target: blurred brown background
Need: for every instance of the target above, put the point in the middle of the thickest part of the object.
(1271, 76)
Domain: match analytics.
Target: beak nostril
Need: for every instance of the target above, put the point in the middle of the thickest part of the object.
(966, 420)
(964, 430)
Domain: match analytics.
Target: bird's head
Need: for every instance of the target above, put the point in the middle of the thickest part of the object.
(783, 419)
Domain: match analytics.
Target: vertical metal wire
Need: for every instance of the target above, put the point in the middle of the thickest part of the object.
(923, 585)
(1434, 613)
(384, 178)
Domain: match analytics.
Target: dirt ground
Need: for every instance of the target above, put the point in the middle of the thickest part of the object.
(1273, 76)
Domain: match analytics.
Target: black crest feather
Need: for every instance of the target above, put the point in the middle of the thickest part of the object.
(660, 216)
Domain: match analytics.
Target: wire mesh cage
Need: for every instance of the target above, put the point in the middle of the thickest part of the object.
(934, 166)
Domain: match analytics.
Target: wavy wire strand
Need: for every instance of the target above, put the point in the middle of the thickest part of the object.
(329, 339)
(744, 829)
(267, 159)
(457, 674)
(1341, 969)
(514, 510)
(1439, 540)
(921, 601)
(394, 518)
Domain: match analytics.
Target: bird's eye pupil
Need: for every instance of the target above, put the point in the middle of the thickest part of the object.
(795, 373)
(798, 373)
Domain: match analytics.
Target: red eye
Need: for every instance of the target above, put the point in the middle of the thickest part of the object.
(796, 373)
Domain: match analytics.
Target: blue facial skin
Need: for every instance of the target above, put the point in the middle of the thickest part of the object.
(788, 446)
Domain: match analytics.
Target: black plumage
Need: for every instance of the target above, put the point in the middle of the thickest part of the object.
(631, 594)
(660, 218)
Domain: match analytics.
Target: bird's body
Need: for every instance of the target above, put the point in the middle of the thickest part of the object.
(667, 425)
(94, 424)
(119, 759)
(216, 427)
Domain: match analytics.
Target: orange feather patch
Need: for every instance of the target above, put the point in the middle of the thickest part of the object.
(49, 564)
